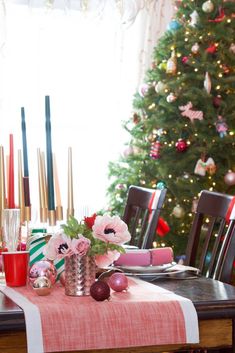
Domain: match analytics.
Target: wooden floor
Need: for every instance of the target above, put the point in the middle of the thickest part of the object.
(213, 333)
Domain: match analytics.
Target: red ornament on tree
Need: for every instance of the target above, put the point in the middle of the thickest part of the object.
(217, 101)
(211, 49)
(155, 150)
(181, 145)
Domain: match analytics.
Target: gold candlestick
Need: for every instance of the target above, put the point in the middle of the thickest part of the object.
(21, 188)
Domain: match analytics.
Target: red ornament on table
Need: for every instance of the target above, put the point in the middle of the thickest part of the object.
(100, 291)
(181, 145)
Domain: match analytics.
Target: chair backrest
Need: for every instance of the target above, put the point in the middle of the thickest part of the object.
(141, 214)
(211, 238)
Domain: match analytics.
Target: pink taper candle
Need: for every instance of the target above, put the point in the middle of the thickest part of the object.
(11, 189)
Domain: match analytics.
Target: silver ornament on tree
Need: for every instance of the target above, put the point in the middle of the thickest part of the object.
(178, 211)
(229, 178)
(171, 98)
(160, 87)
(208, 6)
(207, 83)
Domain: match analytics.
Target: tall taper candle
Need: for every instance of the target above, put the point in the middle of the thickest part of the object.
(21, 188)
(59, 208)
(11, 189)
(41, 184)
(70, 209)
(2, 183)
(50, 178)
(25, 158)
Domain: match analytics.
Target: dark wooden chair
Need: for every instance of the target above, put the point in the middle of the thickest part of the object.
(141, 214)
(212, 241)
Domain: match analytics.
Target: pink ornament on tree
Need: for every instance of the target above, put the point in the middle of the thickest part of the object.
(191, 114)
(155, 150)
(181, 145)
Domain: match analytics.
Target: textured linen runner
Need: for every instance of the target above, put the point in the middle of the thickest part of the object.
(144, 315)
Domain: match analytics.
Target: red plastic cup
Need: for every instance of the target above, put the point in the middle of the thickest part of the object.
(16, 268)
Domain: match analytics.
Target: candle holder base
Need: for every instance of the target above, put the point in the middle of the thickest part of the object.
(52, 217)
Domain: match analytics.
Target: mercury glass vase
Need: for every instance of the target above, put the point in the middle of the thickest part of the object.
(80, 272)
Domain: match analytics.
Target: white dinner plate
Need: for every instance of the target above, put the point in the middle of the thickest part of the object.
(146, 269)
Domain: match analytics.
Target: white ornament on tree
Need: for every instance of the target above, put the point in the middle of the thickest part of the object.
(194, 18)
(195, 48)
(160, 87)
(208, 6)
(232, 48)
(171, 98)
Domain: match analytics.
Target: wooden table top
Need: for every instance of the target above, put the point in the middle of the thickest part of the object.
(212, 300)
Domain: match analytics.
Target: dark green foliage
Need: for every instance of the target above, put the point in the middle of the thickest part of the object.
(153, 112)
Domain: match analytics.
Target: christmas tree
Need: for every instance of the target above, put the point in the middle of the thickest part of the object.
(183, 124)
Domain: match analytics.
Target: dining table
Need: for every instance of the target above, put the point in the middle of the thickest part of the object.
(213, 300)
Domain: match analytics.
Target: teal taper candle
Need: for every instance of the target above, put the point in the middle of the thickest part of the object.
(50, 178)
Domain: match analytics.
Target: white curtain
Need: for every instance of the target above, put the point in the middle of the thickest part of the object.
(90, 60)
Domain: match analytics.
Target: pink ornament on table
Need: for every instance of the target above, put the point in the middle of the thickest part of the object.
(43, 268)
(118, 282)
(191, 114)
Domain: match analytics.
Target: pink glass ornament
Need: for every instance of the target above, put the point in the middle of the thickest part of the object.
(42, 286)
(229, 178)
(118, 282)
(181, 145)
(43, 268)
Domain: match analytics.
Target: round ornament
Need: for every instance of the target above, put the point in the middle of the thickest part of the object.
(42, 268)
(217, 101)
(118, 282)
(208, 6)
(42, 286)
(181, 145)
(178, 211)
(229, 178)
(143, 89)
(173, 25)
(162, 66)
(100, 290)
(171, 98)
(185, 59)
(160, 87)
(161, 185)
(195, 48)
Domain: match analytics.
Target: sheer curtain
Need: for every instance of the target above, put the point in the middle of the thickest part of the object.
(90, 61)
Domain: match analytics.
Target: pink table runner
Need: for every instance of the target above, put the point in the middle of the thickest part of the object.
(144, 315)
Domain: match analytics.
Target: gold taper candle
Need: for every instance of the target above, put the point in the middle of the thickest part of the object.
(59, 208)
(42, 194)
(21, 188)
(2, 183)
(70, 209)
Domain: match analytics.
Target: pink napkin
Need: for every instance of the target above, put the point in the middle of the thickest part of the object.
(142, 257)
(161, 256)
(134, 258)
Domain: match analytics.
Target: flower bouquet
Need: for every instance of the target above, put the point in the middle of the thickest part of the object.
(97, 241)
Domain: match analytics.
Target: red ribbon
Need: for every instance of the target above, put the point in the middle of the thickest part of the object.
(230, 208)
(162, 226)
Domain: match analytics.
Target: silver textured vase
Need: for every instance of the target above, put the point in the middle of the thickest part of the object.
(80, 273)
